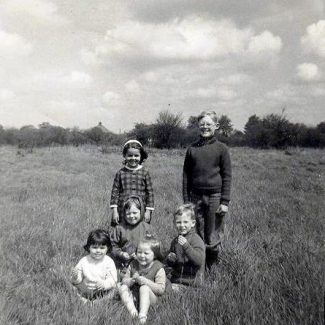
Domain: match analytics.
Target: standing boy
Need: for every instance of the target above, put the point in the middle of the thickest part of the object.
(206, 183)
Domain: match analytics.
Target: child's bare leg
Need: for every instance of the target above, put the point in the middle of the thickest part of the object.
(147, 298)
(127, 299)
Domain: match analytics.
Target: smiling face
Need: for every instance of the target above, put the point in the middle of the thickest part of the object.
(207, 126)
(132, 157)
(184, 223)
(133, 215)
(98, 252)
(145, 255)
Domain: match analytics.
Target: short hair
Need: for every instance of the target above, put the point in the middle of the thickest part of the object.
(211, 114)
(137, 201)
(188, 208)
(98, 237)
(154, 244)
(135, 145)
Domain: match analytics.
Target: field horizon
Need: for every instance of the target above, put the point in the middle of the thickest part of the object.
(272, 265)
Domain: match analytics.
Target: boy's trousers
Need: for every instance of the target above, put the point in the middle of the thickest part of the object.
(209, 224)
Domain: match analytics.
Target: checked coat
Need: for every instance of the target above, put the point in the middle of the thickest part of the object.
(128, 182)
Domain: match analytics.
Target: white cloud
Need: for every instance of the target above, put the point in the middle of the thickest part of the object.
(78, 78)
(283, 94)
(265, 42)
(111, 98)
(206, 92)
(13, 45)
(6, 94)
(222, 93)
(89, 57)
(43, 11)
(192, 38)
(74, 79)
(132, 86)
(308, 72)
(313, 40)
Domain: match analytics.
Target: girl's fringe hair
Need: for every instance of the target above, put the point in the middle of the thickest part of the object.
(154, 244)
(134, 145)
(98, 237)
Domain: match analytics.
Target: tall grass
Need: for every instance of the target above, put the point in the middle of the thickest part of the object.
(271, 269)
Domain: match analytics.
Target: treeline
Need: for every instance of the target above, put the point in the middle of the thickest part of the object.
(170, 131)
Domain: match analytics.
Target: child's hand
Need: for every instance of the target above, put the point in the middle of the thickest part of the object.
(126, 256)
(181, 240)
(172, 257)
(147, 216)
(115, 216)
(75, 275)
(128, 282)
(140, 280)
(222, 209)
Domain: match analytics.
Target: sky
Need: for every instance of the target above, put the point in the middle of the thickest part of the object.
(75, 63)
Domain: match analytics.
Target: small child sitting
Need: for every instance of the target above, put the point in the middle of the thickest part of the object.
(95, 275)
(145, 279)
(132, 229)
(187, 251)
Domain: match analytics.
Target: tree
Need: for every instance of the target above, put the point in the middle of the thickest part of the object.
(143, 133)
(95, 134)
(253, 130)
(167, 130)
(192, 122)
(28, 137)
(277, 128)
(225, 126)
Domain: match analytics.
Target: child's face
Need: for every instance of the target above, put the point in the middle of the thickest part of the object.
(132, 157)
(207, 127)
(98, 252)
(145, 255)
(132, 215)
(184, 223)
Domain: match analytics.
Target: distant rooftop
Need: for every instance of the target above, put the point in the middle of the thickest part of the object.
(102, 127)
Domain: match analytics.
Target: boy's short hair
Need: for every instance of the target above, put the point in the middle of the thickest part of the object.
(98, 237)
(154, 244)
(135, 145)
(188, 208)
(211, 114)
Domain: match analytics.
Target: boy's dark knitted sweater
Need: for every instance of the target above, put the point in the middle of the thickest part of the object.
(207, 169)
(190, 259)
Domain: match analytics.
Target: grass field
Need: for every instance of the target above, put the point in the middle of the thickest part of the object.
(272, 268)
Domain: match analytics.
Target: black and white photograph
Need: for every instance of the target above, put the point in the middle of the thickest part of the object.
(162, 162)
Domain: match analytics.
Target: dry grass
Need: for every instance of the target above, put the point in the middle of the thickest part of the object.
(272, 268)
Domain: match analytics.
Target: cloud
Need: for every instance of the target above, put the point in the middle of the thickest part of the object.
(89, 57)
(193, 38)
(111, 98)
(313, 41)
(13, 45)
(222, 93)
(43, 11)
(78, 78)
(286, 93)
(308, 72)
(6, 94)
(132, 86)
(74, 79)
(265, 42)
